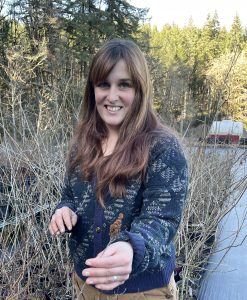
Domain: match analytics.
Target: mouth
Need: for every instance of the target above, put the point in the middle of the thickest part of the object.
(113, 108)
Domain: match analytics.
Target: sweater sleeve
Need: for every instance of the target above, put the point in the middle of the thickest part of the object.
(164, 194)
(67, 196)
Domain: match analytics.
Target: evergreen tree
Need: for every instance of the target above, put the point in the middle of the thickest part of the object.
(4, 37)
(237, 36)
(89, 22)
(40, 20)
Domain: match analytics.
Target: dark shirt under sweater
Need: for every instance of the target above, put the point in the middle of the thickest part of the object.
(152, 211)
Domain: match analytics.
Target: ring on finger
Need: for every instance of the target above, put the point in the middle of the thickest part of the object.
(114, 278)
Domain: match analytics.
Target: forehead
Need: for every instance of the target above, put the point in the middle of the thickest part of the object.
(103, 69)
(119, 71)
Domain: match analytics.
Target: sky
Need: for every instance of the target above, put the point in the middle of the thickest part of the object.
(180, 11)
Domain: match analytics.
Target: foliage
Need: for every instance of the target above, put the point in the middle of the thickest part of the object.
(181, 60)
(227, 74)
(187, 55)
(33, 86)
(47, 48)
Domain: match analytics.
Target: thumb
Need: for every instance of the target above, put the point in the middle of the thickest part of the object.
(74, 219)
(108, 251)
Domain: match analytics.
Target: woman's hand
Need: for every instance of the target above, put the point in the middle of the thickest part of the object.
(111, 267)
(62, 217)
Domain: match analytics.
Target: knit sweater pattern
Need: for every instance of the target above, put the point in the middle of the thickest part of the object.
(151, 209)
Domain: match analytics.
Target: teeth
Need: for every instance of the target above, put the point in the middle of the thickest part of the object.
(113, 108)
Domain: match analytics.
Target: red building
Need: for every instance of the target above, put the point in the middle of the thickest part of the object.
(225, 132)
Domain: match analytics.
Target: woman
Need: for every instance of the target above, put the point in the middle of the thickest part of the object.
(125, 184)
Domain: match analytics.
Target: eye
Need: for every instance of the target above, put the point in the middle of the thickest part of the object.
(125, 84)
(103, 85)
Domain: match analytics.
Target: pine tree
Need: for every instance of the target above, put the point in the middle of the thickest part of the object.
(236, 35)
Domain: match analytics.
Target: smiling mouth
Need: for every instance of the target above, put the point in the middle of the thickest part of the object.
(113, 108)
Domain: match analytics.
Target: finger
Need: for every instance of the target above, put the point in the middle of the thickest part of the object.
(58, 219)
(67, 218)
(74, 219)
(108, 251)
(107, 280)
(107, 287)
(105, 272)
(107, 262)
(53, 227)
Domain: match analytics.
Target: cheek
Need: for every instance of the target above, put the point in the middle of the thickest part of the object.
(98, 97)
(130, 99)
(97, 102)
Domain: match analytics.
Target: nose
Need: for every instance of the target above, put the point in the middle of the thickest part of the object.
(113, 94)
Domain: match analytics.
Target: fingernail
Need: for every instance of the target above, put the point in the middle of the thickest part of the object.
(88, 262)
(90, 281)
(85, 273)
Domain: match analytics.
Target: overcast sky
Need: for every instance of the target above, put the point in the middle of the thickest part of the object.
(180, 11)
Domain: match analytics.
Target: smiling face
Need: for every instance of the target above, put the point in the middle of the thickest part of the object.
(114, 96)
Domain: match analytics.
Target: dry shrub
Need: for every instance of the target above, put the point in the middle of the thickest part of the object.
(214, 190)
(33, 264)
(38, 111)
(36, 266)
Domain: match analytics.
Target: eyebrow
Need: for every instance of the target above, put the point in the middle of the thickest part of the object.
(121, 79)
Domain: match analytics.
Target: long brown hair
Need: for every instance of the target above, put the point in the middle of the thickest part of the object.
(130, 156)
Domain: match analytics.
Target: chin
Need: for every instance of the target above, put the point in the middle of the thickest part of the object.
(114, 126)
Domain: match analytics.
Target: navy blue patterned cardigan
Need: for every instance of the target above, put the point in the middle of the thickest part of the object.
(152, 212)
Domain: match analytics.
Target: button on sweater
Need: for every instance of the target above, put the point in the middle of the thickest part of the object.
(151, 211)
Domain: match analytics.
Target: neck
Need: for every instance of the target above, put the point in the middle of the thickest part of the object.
(108, 145)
